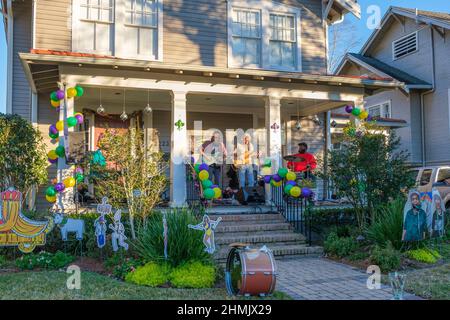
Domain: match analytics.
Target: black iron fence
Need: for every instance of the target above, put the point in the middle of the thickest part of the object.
(295, 210)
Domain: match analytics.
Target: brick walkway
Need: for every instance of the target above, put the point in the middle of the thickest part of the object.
(311, 278)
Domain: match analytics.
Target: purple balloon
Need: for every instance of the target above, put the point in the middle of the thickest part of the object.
(60, 94)
(267, 179)
(306, 193)
(369, 118)
(53, 129)
(348, 109)
(59, 187)
(79, 170)
(52, 161)
(203, 166)
(291, 183)
(276, 178)
(80, 118)
(214, 186)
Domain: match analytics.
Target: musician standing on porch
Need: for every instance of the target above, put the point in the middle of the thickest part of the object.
(245, 153)
(306, 162)
(213, 153)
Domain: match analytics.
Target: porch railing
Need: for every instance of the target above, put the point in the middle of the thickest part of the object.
(193, 189)
(295, 210)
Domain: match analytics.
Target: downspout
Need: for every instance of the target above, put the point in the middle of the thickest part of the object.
(10, 41)
(34, 96)
(422, 95)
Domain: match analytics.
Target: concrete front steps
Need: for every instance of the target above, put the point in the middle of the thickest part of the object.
(258, 230)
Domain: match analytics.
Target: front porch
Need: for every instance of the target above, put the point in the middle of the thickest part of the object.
(188, 103)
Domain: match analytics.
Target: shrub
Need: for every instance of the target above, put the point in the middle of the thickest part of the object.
(184, 244)
(193, 275)
(339, 247)
(423, 255)
(121, 266)
(2, 261)
(387, 258)
(388, 225)
(152, 275)
(44, 260)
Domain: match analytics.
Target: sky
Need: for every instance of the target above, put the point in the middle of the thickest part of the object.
(362, 31)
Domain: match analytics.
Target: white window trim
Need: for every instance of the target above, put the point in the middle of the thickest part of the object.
(388, 102)
(266, 8)
(117, 34)
(404, 37)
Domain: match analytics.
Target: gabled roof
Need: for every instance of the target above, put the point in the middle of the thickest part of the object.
(440, 19)
(335, 10)
(383, 69)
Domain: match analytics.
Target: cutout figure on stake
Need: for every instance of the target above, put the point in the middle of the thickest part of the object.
(118, 236)
(67, 225)
(208, 226)
(100, 223)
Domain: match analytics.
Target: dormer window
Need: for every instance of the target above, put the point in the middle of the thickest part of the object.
(405, 46)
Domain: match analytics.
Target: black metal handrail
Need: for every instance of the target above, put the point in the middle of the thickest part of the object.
(294, 210)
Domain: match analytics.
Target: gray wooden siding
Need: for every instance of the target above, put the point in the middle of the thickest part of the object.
(195, 31)
(21, 102)
(54, 25)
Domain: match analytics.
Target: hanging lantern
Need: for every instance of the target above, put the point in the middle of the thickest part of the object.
(101, 110)
(124, 116)
(148, 109)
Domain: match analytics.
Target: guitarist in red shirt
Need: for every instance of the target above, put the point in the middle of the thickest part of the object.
(306, 162)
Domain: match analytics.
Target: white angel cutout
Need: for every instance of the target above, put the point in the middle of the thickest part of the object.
(118, 236)
(208, 226)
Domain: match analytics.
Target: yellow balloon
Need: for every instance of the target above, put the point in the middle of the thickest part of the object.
(276, 184)
(55, 104)
(71, 93)
(364, 115)
(296, 192)
(51, 199)
(217, 193)
(203, 175)
(60, 125)
(52, 155)
(266, 171)
(291, 176)
(69, 182)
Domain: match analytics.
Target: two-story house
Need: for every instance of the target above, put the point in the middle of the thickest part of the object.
(413, 47)
(257, 66)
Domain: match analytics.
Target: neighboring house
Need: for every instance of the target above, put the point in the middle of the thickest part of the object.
(413, 47)
(230, 64)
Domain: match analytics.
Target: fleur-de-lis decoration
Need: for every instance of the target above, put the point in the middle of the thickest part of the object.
(179, 124)
(275, 127)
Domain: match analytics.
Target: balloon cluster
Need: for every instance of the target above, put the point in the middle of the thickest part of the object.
(210, 190)
(357, 112)
(291, 187)
(59, 187)
(57, 96)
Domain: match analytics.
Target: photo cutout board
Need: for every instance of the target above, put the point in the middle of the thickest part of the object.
(415, 225)
(437, 225)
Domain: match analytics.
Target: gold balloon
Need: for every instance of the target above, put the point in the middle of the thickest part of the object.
(291, 176)
(203, 175)
(55, 104)
(296, 192)
(71, 93)
(60, 125)
(52, 155)
(51, 199)
(69, 182)
(364, 115)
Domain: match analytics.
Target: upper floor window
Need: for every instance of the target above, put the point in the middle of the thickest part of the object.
(125, 28)
(246, 34)
(263, 35)
(405, 46)
(283, 41)
(382, 110)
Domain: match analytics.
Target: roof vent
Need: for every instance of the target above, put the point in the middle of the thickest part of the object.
(405, 46)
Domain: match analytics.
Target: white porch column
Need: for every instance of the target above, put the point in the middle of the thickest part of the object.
(179, 149)
(273, 140)
(66, 198)
(273, 127)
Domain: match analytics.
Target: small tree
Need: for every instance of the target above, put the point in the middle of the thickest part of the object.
(368, 170)
(23, 161)
(131, 167)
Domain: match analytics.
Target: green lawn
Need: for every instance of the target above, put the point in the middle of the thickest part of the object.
(432, 283)
(52, 285)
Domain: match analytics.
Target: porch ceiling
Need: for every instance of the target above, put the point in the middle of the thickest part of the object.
(54, 60)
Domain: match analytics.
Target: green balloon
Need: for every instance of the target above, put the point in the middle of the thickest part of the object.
(209, 194)
(60, 151)
(287, 189)
(197, 168)
(53, 135)
(356, 112)
(54, 96)
(79, 177)
(72, 122)
(207, 184)
(80, 91)
(283, 172)
(51, 192)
